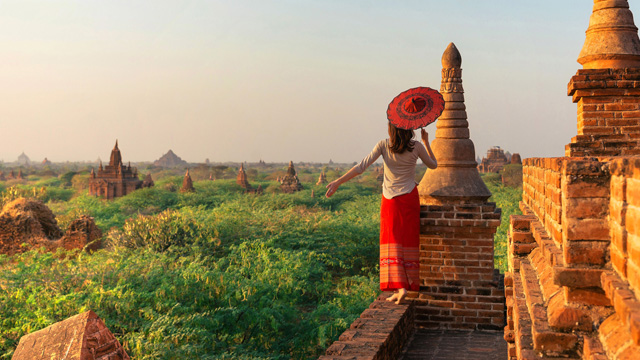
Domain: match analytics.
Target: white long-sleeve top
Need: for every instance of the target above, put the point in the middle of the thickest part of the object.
(399, 169)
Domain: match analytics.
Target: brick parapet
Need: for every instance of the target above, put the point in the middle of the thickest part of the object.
(570, 197)
(381, 332)
(460, 289)
(625, 220)
(587, 275)
(608, 112)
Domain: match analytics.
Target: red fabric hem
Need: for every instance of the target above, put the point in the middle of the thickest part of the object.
(395, 286)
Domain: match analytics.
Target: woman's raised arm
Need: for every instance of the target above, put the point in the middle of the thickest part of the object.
(431, 162)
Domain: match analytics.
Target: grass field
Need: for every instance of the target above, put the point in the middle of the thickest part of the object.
(214, 274)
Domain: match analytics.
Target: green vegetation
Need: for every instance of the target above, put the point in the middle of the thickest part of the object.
(215, 274)
(508, 199)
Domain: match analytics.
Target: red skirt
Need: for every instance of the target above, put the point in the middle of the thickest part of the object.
(399, 242)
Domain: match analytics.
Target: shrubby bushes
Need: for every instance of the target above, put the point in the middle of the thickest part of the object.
(213, 274)
(508, 199)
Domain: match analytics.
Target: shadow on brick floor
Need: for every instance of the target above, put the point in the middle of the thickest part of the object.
(459, 345)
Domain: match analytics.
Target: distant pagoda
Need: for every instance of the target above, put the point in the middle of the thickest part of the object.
(187, 183)
(170, 159)
(148, 181)
(115, 179)
(23, 159)
(242, 178)
(322, 179)
(244, 182)
(290, 183)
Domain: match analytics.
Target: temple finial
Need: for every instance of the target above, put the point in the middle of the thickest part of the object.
(451, 57)
(612, 37)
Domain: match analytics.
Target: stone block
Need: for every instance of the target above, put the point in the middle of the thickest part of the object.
(576, 277)
(564, 317)
(585, 229)
(593, 296)
(585, 252)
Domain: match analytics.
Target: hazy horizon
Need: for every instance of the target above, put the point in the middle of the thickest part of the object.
(285, 80)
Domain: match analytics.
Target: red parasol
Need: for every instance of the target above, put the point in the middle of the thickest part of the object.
(415, 108)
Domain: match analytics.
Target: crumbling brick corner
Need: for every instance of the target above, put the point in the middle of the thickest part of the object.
(83, 337)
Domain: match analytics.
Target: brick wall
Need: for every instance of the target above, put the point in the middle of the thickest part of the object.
(460, 289)
(541, 191)
(573, 282)
(608, 112)
(381, 332)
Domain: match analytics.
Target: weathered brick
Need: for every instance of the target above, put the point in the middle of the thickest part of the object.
(585, 229)
(585, 208)
(619, 262)
(564, 317)
(576, 277)
(593, 296)
(585, 252)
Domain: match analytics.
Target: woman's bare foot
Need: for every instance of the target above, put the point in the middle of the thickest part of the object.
(400, 295)
(393, 297)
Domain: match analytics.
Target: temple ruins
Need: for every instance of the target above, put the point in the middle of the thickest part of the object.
(169, 160)
(23, 159)
(242, 178)
(515, 159)
(494, 161)
(290, 183)
(187, 183)
(244, 182)
(82, 337)
(115, 179)
(457, 224)
(572, 287)
(322, 179)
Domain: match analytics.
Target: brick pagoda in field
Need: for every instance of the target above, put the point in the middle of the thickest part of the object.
(81, 337)
(148, 181)
(494, 162)
(573, 286)
(244, 182)
(459, 287)
(322, 179)
(115, 179)
(290, 183)
(187, 183)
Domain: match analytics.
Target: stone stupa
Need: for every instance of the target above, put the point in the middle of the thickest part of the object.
(456, 176)
(187, 183)
(290, 183)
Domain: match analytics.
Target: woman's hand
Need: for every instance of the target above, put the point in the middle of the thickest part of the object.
(425, 136)
(332, 188)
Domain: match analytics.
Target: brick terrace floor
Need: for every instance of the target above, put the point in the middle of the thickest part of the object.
(456, 345)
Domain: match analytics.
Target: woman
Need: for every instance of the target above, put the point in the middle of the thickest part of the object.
(400, 210)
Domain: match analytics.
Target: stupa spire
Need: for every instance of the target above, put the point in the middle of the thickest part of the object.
(612, 37)
(116, 157)
(456, 176)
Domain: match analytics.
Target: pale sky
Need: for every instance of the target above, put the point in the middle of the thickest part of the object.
(243, 80)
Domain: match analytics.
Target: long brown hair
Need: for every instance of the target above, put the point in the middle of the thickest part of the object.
(400, 140)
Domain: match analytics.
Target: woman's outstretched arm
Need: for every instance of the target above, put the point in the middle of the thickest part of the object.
(335, 184)
(431, 162)
(356, 170)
